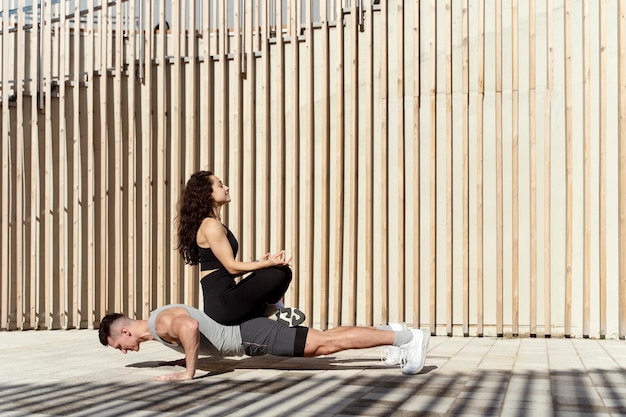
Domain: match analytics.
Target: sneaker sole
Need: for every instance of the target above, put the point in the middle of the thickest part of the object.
(290, 317)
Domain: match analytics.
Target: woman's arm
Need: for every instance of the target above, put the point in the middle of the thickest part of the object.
(213, 233)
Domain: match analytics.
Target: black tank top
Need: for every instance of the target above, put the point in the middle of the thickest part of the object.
(207, 258)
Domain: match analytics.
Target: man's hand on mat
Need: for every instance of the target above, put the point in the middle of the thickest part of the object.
(177, 376)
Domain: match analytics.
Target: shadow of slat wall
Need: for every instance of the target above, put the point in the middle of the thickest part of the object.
(459, 165)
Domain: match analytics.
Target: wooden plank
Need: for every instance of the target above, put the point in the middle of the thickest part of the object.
(479, 168)
(401, 259)
(433, 168)
(145, 172)
(206, 153)
(294, 157)
(60, 251)
(189, 275)
(325, 168)
(587, 180)
(417, 317)
(449, 191)
(118, 237)
(19, 175)
(101, 155)
(622, 170)
(75, 274)
(35, 225)
(367, 110)
(568, 168)
(603, 140)
(499, 174)
(88, 150)
(46, 209)
(354, 145)
(278, 154)
(159, 170)
(466, 175)
(533, 165)
(384, 151)
(515, 169)
(130, 179)
(307, 161)
(175, 146)
(339, 161)
(4, 185)
(547, 175)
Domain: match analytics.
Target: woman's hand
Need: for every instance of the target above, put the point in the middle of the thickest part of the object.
(278, 259)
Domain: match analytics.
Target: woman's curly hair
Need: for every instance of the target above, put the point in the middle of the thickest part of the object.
(195, 205)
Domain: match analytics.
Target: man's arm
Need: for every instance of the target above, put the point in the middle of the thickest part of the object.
(184, 331)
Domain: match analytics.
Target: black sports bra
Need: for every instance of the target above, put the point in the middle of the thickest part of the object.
(207, 258)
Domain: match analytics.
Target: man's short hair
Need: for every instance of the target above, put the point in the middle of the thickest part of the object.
(105, 326)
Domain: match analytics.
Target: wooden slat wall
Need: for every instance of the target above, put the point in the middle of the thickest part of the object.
(427, 162)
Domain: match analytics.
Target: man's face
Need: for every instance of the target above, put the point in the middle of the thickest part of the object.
(124, 342)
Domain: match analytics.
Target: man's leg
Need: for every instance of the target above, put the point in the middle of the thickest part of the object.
(343, 338)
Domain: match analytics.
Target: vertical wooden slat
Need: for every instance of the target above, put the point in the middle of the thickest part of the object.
(75, 274)
(119, 239)
(173, 177)
(325, 166)
(234, 154)
(35, 227)
(366, 101)
(384, 152)
(603, 140)
(19, 174)
(294, 15)
(354, 143)
(307, 270)
(449, 191)
(4, 216)
(433, 167)
(466, 176)
(90, 168)
(101, 155)
(499, 197)
(401, 279)
(547, 175)
(278, 154)
(515, 169)
(568, 169)
(220, 164)
(131, 176)
(249, 138)
(339, 162)
(207, 87)
(189, 275)
(159, 170)
(46, 209)
(622, 170)
(479, 167)
(587, 169)
(59, 169)
(417, 317)
(147, 270)
(533, 166)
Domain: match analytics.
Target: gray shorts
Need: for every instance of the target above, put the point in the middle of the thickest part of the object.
(262, 336)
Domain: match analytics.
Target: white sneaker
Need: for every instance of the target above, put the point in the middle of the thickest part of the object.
(391, 355)
(414, 353)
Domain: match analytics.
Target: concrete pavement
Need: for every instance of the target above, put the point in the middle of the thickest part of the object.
(68, 373)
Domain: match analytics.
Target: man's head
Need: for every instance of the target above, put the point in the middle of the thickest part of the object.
(116, 330)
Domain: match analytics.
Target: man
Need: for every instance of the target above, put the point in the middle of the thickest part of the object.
(190, 331)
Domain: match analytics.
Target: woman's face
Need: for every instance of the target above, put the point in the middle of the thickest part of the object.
(220, 191)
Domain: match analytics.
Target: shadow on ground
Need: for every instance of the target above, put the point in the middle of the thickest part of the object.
(372, 392)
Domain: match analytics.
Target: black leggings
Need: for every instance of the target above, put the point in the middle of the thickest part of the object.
(231, 303)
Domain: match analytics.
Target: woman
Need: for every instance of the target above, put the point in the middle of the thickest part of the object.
(204, 240)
